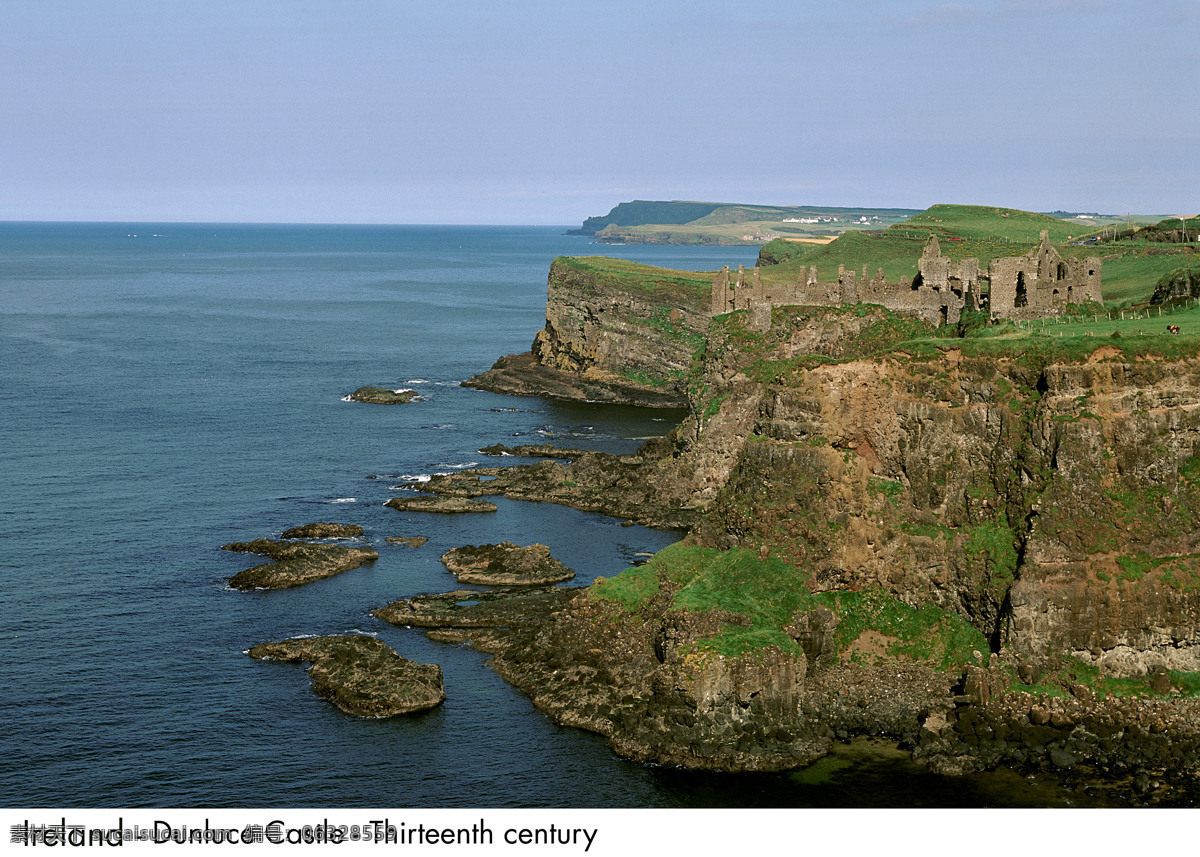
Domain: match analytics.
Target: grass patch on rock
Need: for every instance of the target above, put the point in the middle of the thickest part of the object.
(763, 596)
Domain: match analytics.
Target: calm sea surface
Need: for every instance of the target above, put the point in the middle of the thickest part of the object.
(166, 389)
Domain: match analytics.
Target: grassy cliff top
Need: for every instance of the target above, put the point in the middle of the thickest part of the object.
(964, 231)
(982, 221)
(593, 271)
(1140, 335)
(1131, 267)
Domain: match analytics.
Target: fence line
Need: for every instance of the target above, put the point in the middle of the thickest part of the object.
(1111, 315)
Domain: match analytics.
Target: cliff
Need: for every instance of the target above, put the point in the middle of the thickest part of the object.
(615, 332)
(985, 547)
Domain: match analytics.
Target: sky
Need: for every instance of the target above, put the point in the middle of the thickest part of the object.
(550, 111)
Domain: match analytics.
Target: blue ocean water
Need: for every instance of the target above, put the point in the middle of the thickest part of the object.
(166, 389)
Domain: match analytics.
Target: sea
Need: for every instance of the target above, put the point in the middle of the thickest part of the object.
(169, 388)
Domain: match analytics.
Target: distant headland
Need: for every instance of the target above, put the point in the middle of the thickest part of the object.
(722, 223)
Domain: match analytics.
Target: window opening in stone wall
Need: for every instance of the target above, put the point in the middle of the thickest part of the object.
(1022, 298)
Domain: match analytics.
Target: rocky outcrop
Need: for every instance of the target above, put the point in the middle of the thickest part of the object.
(623, 486)
(382, 396)
(323, 530)
(505, 564)
(1183, 283)
(407, 541)
(615, 332)
(442, 505)
(524, 375)
(295, 563)
(361, 675)
(498, 608)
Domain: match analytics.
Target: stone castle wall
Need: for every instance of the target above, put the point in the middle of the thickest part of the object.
(1040, 283)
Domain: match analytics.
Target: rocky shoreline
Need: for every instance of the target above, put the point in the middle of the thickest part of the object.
(988, 558)
(617, 485)
(638, 682)
(524, 375)
(975, 618)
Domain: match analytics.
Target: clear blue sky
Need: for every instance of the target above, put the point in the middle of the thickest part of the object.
(523, 111)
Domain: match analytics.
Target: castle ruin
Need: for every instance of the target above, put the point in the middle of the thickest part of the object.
(1039, 284)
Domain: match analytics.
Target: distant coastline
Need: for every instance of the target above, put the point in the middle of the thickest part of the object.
(730, 224)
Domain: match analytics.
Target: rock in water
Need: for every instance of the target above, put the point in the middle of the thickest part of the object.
(410, 541)
(361, 675)
(295, 563)
(322, 530)
(445, 505)
(382, 396)
(500, 608)
(506, 564)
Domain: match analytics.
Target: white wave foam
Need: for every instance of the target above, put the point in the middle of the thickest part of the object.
(414, 477)
(418, 381)
(462, 466)
(343, 500)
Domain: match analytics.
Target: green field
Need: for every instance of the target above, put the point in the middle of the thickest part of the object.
(1132, 265)
(1135, 332)
(634, 276)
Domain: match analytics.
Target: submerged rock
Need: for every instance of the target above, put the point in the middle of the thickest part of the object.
(360, 674)
(295, 563)
(444, 505)
(409, 541)
(382, 396)
(505, 564)
(322, 530)
(533, 450)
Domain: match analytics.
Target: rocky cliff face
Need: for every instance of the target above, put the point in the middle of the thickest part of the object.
(615, 332)
(934, 541)
(1053, 504)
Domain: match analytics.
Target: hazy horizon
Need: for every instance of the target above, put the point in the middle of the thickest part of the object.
(545, 113)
